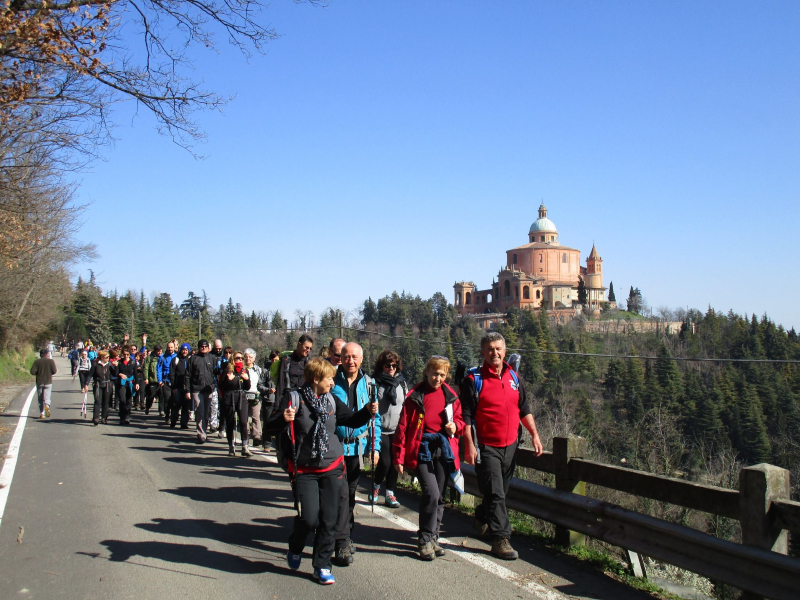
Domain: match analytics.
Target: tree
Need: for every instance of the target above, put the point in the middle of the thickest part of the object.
(369, 312)
(635, 301)
(84, 45)
(277, 322)
(582, 295)
(611, 296)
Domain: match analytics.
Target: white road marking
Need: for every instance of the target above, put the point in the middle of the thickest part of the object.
(532, 587)
(7, 474)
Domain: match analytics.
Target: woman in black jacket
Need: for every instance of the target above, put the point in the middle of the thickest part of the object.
(100, 372)
(233, 401)
(126, 385)
(316, 460)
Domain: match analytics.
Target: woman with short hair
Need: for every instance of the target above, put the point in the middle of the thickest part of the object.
(315, 460)
(426, 443)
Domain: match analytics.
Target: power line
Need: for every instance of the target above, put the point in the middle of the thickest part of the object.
(523, 351)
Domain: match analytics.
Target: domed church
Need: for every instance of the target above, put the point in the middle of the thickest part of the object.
(541, 273)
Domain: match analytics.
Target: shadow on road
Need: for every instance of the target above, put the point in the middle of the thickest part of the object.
(201, 556)
(241, 495)
(237, 534)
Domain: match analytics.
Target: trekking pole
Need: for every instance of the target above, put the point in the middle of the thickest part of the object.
(372, 453)
(83, 407)
(294, 469)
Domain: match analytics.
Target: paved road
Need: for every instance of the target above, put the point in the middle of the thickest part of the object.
(142, 512)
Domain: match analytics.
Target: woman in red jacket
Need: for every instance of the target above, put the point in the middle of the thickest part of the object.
(426, 441)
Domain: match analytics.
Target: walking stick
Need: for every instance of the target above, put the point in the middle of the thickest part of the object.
(294, 469)
(372, 453)
(83, 407)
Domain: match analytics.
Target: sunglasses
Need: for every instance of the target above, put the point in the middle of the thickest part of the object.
(391, 366)
(238, 358)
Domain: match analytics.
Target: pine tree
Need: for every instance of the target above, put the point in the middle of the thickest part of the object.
(635, 300)
(582, 294)
(611, 296)
(755, 446)
(669, 378)
(633, 390)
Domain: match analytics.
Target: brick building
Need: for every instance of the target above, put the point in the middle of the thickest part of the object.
(540, 273)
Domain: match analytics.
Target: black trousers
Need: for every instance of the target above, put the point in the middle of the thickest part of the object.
(494, 475)
(267, 410)
(179, 403)
(432, 478)
(230, 411)
(151, 389)
(319, 508)
(124, 400)
(347, 502)
(112, 402)
(164, 399)
(385, 468)
(102, 396)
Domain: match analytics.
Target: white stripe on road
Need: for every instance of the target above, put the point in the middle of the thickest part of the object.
(7, 474)
(540, 591)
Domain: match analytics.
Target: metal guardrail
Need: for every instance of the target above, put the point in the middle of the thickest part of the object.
(759, 565)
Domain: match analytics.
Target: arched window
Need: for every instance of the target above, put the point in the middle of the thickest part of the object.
(526, 293)
(507, 288)
(458, 300)
(468, 299)
(488, 298)
(515, 259)
(542, 238)
(564, 257)
(541, 257)
(538, 294)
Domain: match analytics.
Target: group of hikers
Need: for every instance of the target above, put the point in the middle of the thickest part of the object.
(327, 416)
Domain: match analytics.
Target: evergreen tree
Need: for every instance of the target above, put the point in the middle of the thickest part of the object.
(614, 380)
(277, 322)
(669, 378)
(635, 301)
(755, 446)
(582, 294)
(369, 312)
(633, 390)
(611, 296)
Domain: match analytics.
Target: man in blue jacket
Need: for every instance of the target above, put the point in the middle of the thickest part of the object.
(163, 368)
(355, 388)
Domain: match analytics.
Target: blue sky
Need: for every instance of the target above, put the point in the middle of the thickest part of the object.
(381, 146)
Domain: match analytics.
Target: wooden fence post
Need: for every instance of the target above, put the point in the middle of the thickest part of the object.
(759, 485)
(565, 448)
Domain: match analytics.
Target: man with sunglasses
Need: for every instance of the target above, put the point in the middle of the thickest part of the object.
(290, 372)
(335, 351)
(200, 383)
(221, 357)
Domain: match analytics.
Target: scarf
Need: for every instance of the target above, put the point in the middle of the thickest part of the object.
(238, 367)
(390, 384)
(319, 405)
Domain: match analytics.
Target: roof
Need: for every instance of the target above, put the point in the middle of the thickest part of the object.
(593, 254)
(543, 224)
(543, 245)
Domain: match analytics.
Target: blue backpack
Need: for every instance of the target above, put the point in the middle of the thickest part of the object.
(476, 375)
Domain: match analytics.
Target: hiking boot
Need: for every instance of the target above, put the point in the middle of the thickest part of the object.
(501, 548)
(427, 551)
(231, 452)
(46, 411)
(391, 499)
(373, 498)
(343, 557)
(437, 549)
(324, 576)
(481, 527)
(246, 451)
(293, 560)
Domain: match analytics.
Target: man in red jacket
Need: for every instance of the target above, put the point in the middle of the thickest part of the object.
(494, 414)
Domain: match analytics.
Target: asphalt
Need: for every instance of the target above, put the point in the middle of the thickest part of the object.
(141, 511)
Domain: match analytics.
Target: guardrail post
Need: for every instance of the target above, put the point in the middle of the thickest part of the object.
(759, 485)
(564, 449)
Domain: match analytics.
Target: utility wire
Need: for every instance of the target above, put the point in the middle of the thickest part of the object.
(474, 347)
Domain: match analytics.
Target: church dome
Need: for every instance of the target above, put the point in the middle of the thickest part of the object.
(543, 223)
